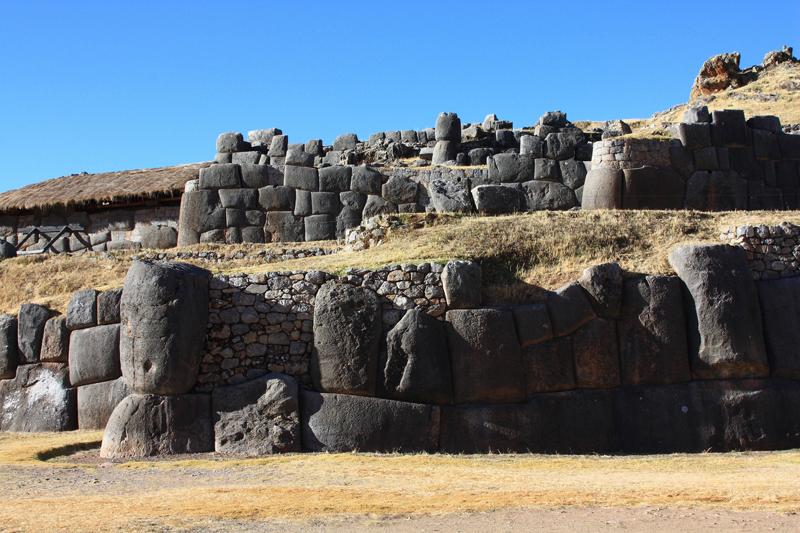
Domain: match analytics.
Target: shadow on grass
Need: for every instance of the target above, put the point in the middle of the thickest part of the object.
(69, 449)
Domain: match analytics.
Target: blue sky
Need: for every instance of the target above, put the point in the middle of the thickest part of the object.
(94, 86)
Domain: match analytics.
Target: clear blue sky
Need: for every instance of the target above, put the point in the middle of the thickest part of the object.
(94, 86)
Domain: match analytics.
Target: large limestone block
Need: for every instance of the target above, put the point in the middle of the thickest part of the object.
(726, 338)
(652, 188)
(780, 305)
(347, 330)
(603, 285)
(602, 189)
(94, 355)
(549, 366)
(144, 425)
(30, 330)
(55, 341)
(485, 355)
(569, 309)
(221, 176)
(82, 309)
(533, 324)
(541, 195)
(461, 281)
(284, 226)
(9, 356)
(652, 332)
(197, 209)
(108, 307)
(448, 127)
(164, 311)
(507, 168)
(97, 401)
(512, 428)
(584, 420)
(497, 199)
(341, 423)
(596, 355)
(257, 417)
(39, 398)
(417, 364)
(451, 195)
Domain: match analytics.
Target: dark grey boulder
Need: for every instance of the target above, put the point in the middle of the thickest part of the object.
(580, 421)
(697, 114)
(335, 178)
(765, 122)
(573, 173)
(341, 423)
(706, 159)
(765, 145)
(533, 324)
(284, 226)
(345, 141)
(277, 198)
(9, 355)
(257, 176)
(238, 198)
(230, 142)
(197, 212)
(417, 362)
(652, 188)
(726, 338)
(451, 196)
(7, 250)
(304, 178)
(376, 205)
(39, 398)
(444, 151)
(489, 428)
(602, 189)
(297, 156)
(716, 191)
(399, 190)
(145, 425)
(559, 146)
(780, 305)
(461, 281)
(549, 366)
(155, 237)
(82, 309)
(235, 218)
(253, 234)
(221, 176)
(347, 331)
(320, 228)
(94, 355)
(97, 401)
(681, 160)
(346, 219)
(55, 341)
(448, 127)
(278, 146)
(603, 284)
(652, 332)
(353, 200)
(556, 119)
(366, 180)
(546, 169)
(248, 157)
(508, 168)
(497, 199)
(694, 136)
(30, 330)
(485, 356)
(728, 127)
(547, 195)
(569, 309)
(257, 417)
(479, 156)
(531, 145)
(164, 311)
(596, 354)
(325, 203)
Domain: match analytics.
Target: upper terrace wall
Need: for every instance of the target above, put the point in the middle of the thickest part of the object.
(718, 161)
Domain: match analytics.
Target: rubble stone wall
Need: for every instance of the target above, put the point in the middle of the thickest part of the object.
(772, 251)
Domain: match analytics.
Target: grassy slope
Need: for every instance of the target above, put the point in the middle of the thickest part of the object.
(519, 253)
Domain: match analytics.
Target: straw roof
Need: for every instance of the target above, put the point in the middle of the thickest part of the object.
(84, 189)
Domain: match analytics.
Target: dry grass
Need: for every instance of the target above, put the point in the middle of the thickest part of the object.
(776, 92)
(182, 493)
(519, 253)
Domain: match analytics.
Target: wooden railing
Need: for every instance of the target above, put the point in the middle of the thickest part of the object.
(49, 246)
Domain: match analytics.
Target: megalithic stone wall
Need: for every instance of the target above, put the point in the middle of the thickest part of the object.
(717, 161)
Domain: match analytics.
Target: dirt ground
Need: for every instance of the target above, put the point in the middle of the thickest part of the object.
(57, 482)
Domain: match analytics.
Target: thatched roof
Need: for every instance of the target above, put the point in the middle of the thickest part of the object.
(103, 188)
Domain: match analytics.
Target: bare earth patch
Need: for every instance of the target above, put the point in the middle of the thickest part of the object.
(345, 492)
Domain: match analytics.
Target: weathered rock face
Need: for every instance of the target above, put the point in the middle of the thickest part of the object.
(347, 329)
(164, 312)
(542, 195)
(144, 425)
(485, 355)
(596, 355)
(603, 189)
(97, 401)
(652, 332)
(726, 338)
(82, 309)
(569, 309)
(9, 357)
(55, 341)
(717, 74)
(341, 423)
(461, 281)
(780, 305)
(39, 398)
(30, 330)
(549, 366)
(533, 324)
(108, 307)
(450, 196)
(417, 365)
(94, 355)
(603, 284)
(258, 417)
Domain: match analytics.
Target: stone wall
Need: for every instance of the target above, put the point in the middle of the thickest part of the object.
(772, 251)
(717, 161)
(106, 230)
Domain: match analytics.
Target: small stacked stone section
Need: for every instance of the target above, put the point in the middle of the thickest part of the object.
(772, 251)
(263, 256)
(632, 152)
(264, 322)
